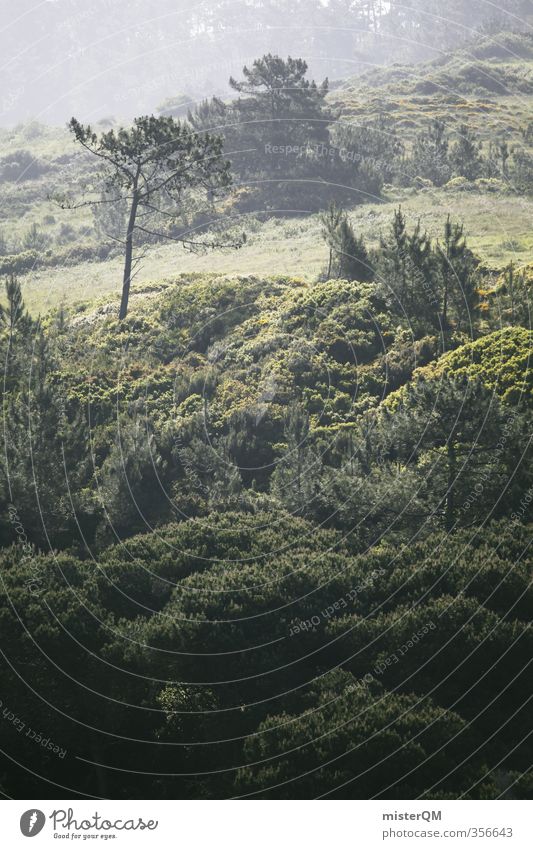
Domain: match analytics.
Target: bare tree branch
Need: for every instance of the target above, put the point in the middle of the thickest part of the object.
(215, 244)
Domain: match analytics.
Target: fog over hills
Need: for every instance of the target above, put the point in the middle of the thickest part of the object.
(111, 57)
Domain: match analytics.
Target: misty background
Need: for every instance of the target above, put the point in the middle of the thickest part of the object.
(119, 58)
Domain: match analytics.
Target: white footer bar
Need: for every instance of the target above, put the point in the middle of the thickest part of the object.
(267, 825)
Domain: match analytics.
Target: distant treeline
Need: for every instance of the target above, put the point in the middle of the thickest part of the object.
(194, 47)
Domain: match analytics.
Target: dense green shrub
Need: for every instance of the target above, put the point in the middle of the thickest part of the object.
(257, 610)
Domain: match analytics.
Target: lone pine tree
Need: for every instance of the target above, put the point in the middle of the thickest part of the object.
(150, 165)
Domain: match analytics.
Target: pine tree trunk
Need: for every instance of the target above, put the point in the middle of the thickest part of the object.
(128, 258)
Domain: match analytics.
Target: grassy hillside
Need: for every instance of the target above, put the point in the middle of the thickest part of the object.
(498, 227)
(488, 85)
(37, 161)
